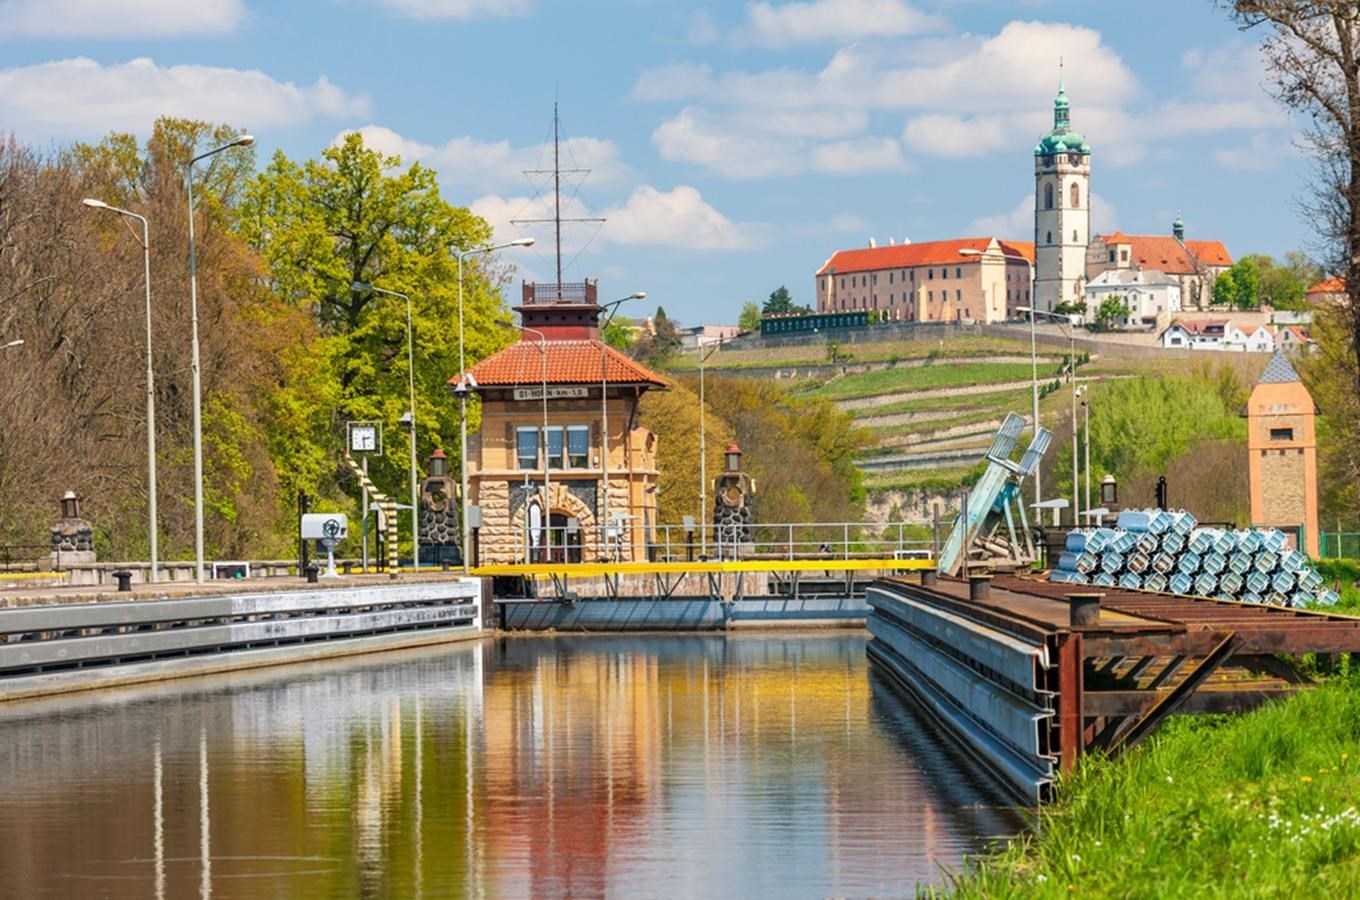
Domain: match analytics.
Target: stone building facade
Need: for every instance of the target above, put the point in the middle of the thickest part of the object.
(1282, 452)
(592, 441)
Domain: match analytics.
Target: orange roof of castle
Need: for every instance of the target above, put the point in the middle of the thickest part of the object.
(927, 253)
(1155, 251)
(569, 362)
(1333, 285)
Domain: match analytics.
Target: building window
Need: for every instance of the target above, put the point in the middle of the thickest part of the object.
(578, 446)
(1074, 236)
(944, 273)
(1048, 237)
(930, 296)
(958, 295)
(555, 447)
(890, 277)
(1048, 196)
(1111, 256)
(1124, 255)
(1076, 196)
(930, 274)
(1282, 434)
(526, 447)
(912, 275)
(958, 272)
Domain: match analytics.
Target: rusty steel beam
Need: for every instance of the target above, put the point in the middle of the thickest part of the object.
(1070, 684)
(1173, 699)
(1214, 699)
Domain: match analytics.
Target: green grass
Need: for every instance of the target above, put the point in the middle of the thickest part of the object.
(920, 479)
(1261, 805)
(950, 406)
(877, 351)
(943, 374)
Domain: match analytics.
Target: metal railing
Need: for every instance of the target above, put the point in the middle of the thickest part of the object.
(569, 292)
(1340, 544)
(789, 541)
(23, 557)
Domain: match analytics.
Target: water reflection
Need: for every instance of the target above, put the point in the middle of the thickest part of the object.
(636, 765)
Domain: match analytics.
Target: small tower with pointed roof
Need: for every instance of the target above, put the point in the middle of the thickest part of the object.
(1282, 450)
(1062, 209)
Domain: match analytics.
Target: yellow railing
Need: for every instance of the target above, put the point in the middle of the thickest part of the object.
(708, 566)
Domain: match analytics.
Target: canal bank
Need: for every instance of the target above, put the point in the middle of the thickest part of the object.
(714, 764)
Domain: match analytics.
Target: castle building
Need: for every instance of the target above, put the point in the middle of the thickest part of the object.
(1062, 210)
(961, 280)
(600, 500)
(1193, 264)
(1282, 453)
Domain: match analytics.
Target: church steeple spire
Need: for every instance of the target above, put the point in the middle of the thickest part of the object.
(1061, 118)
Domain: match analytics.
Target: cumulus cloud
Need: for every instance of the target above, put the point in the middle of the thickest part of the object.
(459, 9)
(829, 21)
(1262, 153)
(468, 162)
(118, 18)
(80, 97)
(762, 145)
(678, 218)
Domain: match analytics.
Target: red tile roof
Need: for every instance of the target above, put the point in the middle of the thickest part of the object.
(1333, 285)
(1202, 326)
(1166, 254)
(928, 253)
(569, 362)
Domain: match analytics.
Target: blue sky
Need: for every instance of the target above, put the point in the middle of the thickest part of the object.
(734, 147)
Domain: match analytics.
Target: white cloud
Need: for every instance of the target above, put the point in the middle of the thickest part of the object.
(1262, 153)
(647, 217)
(118, 18)
(765, 144)
(938, 134)
(459, 9)
(80, 97)
(701, 30)
(468, 162)
(675, 218)
(829, 21)
(1018, 224)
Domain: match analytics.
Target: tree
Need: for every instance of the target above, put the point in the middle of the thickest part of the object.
(619, 334)
(356, 215)
(1225, 289)
(780, 302)
(1111, 313)
(749, 320)
(663, 342)
(1311, 48)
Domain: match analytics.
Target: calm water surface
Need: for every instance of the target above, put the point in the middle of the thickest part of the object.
(630, 766)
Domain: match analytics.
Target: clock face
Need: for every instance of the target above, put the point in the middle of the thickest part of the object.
(363, 438)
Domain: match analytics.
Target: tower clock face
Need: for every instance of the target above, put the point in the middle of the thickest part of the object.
(363, 438)
(1074, 158)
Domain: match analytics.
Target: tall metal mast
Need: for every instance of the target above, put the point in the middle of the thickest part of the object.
(556, 172)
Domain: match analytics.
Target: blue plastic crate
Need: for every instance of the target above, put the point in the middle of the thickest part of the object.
(1173, 542)
(1188, 563)
(1214, 562)
(1230, 583)
(1181, 583)
(1206, 584)
(1283, 582)
(1130, 581)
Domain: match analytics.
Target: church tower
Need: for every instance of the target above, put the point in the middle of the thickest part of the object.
(1062, 210)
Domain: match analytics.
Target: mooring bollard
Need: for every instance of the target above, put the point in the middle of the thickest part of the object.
(124, 578)
(1085, 608)
(979, 588)
(313, 571)
(930, 577)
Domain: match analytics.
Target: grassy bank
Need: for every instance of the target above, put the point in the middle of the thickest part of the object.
(1265, 804)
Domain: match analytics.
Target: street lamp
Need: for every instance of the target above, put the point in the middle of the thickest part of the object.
(409, 419)
(462, 391)
(1072, 374)
(145, 241)
(547, 494)
(14, 343)
(244, 140)
(703, 446)
(604, 415)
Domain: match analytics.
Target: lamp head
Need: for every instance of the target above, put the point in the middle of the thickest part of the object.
(360, 286)
(94, 204)
(638, 295)
(244, 140)
(522, 242)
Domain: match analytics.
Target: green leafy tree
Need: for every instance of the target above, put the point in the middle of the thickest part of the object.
(657, 347)
(1225, 289)
(780, 302)
(749, 320)
(1111, 312)
(357, 216)
(619, 334)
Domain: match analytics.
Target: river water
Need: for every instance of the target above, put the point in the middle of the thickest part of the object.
(634, 766)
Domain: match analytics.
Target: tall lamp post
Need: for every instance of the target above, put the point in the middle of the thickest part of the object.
(547, 494)
(15, 343)
(244, 140)
(410, 416)
(1072, 374)
(145, 241)
(462, 389)
(703, 446)
(613, 307)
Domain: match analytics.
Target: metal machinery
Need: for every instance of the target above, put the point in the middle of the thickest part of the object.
(995, 502)
(733, 492)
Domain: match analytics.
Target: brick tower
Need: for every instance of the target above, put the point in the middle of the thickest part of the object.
(1282, 451)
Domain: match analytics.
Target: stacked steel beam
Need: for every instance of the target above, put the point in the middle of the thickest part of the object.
(1157, 550)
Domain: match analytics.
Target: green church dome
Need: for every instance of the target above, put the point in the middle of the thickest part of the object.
(1061, 138)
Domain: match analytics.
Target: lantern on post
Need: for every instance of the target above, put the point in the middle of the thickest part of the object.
(733, 454)
(1109, 492)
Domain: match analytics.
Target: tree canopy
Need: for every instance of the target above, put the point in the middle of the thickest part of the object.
(749, 320)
